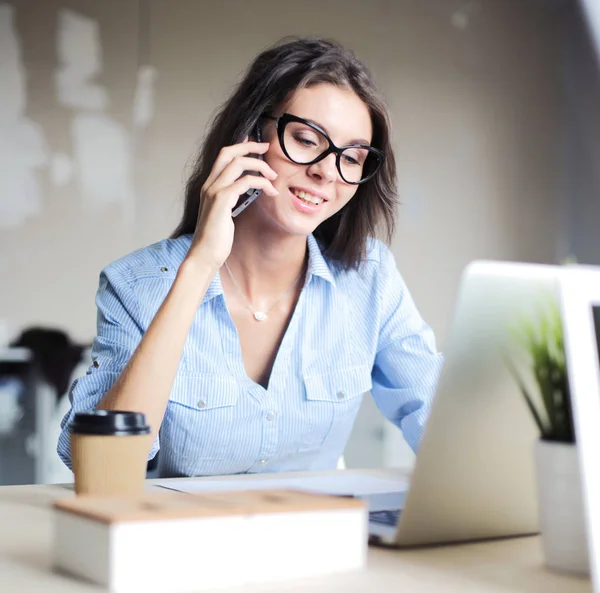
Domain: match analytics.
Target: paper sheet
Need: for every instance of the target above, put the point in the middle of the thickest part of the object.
(342, 484)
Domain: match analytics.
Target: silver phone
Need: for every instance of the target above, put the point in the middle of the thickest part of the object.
(251, 194)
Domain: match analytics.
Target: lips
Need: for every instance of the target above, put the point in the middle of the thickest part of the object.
(306, 202)
(307, 196)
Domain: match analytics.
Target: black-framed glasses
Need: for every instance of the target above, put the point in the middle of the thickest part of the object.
(305, 143)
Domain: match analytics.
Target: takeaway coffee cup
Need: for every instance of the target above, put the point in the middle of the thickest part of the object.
(109, 452)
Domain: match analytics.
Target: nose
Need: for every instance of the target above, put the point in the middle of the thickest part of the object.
(324, 171)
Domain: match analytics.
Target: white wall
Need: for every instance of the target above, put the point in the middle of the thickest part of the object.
(582, 130)
(476, 99)
(51, 253)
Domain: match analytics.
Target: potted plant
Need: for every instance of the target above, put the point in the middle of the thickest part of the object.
(543, 381)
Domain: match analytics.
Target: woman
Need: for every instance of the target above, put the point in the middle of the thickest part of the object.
(249, 340)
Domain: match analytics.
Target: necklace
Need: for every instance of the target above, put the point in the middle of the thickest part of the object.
(260, 315)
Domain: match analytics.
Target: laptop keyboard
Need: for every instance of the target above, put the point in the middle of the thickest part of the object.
(385, 517)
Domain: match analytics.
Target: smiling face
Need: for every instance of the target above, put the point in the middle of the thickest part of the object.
(309, 194)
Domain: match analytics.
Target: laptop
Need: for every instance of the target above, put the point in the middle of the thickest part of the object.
(474, 477)
(581, 321)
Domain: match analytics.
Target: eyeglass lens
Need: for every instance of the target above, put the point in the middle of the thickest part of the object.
(304, 144)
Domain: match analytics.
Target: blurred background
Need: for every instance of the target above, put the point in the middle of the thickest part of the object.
(103, 104)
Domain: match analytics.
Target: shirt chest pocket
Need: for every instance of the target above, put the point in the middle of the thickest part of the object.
(200, 417)
(332, 400)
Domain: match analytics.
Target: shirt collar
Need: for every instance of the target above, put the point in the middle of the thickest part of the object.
(317, 266)
(214, 289)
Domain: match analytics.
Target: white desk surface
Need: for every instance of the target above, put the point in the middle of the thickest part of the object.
(491, 567)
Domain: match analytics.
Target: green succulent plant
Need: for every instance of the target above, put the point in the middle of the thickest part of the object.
(542, 342)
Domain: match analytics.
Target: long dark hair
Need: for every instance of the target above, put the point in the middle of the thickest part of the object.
(274, 74)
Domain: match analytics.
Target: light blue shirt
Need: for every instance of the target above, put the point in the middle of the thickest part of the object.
(351, 332)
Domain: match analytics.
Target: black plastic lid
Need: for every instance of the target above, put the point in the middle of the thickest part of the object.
(109, 422)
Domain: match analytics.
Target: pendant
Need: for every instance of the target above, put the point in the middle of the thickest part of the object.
(260, 316)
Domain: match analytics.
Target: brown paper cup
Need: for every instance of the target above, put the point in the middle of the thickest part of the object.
(110, 465)
(109, 453)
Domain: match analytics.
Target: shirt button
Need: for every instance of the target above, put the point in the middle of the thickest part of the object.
(164, 269)
(341, 395)
(270, 416)
(263, 461)
(202, 404)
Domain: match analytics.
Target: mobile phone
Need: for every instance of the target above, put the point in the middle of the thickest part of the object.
(251, 194)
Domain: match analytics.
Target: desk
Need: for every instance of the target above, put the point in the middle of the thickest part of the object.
(491, 567)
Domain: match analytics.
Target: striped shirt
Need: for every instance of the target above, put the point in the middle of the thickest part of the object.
(351, 332)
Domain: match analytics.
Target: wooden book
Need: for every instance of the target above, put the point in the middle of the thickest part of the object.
(174, 541)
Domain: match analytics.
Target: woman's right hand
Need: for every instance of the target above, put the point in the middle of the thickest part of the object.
(213, 237)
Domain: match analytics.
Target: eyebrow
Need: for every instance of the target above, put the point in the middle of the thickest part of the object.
(354, 141)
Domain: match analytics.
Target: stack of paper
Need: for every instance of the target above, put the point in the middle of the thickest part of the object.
(378, 493)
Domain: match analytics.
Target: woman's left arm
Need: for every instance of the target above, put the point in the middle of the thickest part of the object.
(407, 364)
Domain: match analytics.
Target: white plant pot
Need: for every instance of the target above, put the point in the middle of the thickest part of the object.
(560, 499)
